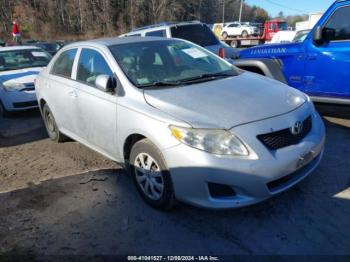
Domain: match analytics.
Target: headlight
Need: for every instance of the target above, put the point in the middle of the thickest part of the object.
(219, 142)
(12, 86)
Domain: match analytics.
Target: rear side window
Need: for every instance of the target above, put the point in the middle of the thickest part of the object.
(160, 33)
(199, 34)
(340, 23)
(64, 64)
(91, 64)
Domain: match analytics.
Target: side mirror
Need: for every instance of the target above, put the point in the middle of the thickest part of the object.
(105, 83)
(317, 36)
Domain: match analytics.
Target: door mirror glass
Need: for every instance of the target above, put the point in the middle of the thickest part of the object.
(317, 36)
(105, 83)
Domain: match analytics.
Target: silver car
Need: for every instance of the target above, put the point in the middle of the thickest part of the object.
(186, 124)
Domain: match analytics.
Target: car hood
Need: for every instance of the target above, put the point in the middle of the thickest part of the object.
(22, 76)
(226, 103)
(268, 50)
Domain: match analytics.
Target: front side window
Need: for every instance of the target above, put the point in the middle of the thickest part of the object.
(340, 24)
(91, 64)
(64, 64)
(160, 33)
(169, 61)
(19, 59)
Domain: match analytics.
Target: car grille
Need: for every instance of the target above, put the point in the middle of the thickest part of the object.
(25, 104)
(284, 137)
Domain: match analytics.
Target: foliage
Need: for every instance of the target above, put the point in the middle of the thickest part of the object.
(46, 19)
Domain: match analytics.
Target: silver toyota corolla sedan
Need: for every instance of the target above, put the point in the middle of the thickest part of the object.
(186, 124)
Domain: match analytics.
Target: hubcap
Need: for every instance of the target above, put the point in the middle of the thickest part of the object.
(49, 122)
(148, 176)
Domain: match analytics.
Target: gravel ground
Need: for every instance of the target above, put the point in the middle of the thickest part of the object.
(65, 199)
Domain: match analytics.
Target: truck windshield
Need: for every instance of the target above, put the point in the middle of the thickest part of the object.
(19, 59)
(199, 34)
(282, 26)
(169, 63)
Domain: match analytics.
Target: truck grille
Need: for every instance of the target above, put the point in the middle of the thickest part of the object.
(284, 137)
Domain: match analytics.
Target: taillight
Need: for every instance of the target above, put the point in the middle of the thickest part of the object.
(222, 52)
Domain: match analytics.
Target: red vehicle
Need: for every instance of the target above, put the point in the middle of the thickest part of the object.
(270, 28)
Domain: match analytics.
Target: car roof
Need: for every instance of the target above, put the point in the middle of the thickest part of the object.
(18, 47)
(165, 24)
(117, 41)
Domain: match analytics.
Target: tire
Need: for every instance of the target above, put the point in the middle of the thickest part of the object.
(224, 35)
(234, 43)
(51, 126)
(3, 111)
(151, 176)
(244, 33)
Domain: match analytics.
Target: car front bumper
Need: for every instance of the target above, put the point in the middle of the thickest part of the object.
(256, 178)
(19, 100)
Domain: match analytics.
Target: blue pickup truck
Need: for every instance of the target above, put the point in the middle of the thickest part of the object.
(320, 64)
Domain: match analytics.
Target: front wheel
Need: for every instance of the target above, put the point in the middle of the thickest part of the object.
(244, 33)
(151, 176)
(224, 35)
(51, 126)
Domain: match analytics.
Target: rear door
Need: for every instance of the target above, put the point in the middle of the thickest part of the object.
(61, 91)
(327, 66)
(96, 110)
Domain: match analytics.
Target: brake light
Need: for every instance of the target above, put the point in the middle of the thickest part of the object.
(222, 52)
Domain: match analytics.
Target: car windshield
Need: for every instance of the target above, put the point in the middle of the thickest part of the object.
(199, 34)
(169, 63)
(282, 26)
(19, 59)
(300, 36)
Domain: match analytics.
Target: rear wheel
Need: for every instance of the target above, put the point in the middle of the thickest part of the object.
(51, 126)
(244, 33)
(234, 43)
(3, 111)
(151, 176)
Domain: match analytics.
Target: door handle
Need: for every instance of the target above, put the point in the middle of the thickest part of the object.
(73, 94)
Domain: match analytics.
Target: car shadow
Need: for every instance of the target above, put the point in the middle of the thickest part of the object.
(333, 110)
(21, 127)
(101, 212)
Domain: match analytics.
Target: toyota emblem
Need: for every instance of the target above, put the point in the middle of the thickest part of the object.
(297, 128)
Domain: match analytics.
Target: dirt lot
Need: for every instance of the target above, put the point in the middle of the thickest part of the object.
(66, 199)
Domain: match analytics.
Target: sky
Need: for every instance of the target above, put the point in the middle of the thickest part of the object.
(291, 7)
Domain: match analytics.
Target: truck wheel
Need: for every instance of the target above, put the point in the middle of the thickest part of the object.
(244, 33)
(224, 35)
(51, 126)
(151, 176)
(234, 43)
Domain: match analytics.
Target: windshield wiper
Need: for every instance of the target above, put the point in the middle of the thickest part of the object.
(205, 77)
(160, 83)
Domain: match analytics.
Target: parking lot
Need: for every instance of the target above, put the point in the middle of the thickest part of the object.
(66, 199)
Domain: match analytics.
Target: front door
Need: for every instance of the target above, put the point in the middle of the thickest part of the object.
(327, 67)
(96, 109)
